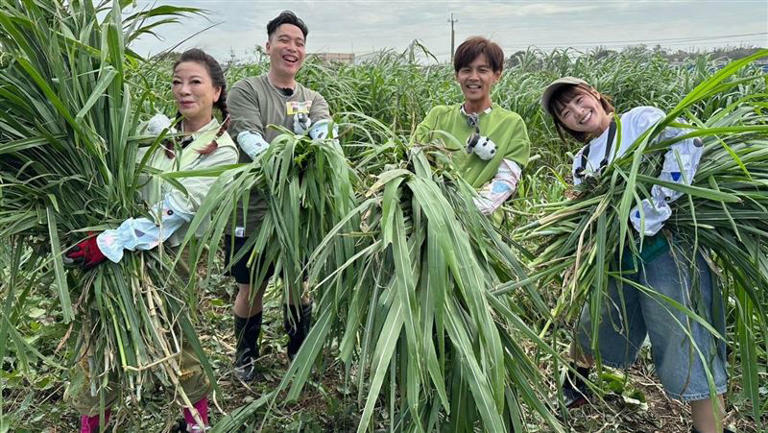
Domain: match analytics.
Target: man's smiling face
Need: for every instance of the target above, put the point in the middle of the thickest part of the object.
(286, 50)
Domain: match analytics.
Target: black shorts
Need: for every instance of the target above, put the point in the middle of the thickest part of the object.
(240, 269)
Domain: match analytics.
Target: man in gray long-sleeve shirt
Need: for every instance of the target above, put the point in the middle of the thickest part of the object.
(255, 103)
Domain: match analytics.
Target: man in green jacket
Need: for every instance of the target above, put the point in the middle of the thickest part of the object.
(490, 144)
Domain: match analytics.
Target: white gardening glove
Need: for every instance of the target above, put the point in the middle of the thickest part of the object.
(158, 123)
(481, 146)
(144, 233)
(301, 123)
(322, 129)
(252, 143)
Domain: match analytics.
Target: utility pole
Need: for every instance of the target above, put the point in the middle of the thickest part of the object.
(452, 20)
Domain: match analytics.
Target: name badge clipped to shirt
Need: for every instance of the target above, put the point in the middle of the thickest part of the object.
(297, 107)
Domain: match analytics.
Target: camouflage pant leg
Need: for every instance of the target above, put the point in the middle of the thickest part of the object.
(194, 382)
(85, 392)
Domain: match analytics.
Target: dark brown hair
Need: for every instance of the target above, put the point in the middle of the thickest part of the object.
(286, 17)
(566, 94)
(471, 49)
(217, 79)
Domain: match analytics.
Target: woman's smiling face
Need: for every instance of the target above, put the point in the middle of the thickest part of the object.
(581, 111)
(194, 91)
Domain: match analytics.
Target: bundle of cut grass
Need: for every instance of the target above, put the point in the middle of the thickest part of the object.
(68, 166)
(725, 212)
(307, 186)
(409, 309)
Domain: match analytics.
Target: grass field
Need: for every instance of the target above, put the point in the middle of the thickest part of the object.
(377, 106)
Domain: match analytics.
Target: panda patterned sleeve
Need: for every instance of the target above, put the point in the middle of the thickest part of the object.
(500, 188)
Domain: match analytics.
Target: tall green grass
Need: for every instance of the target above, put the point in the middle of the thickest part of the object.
(725, 214)
(407, 299)
(425, 303)
(68, 150)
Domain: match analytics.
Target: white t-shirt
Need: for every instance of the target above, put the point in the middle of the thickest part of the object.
(633, 123)
(680, 164)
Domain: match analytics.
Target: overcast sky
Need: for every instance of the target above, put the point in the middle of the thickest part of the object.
(365, 26)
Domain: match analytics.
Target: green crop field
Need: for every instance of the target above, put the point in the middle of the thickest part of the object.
(430, 318)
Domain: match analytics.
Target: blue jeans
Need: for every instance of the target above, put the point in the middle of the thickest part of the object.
(629, 314)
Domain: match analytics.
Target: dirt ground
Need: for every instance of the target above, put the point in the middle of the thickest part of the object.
(328, 403)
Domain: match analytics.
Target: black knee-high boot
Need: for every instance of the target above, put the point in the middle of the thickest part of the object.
(575, 392)
(297, 320)
(247, 330)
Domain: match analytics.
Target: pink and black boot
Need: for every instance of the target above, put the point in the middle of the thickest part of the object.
(90, 424)
(202, 409)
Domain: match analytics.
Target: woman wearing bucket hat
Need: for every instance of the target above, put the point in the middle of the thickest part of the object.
(630, 315)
